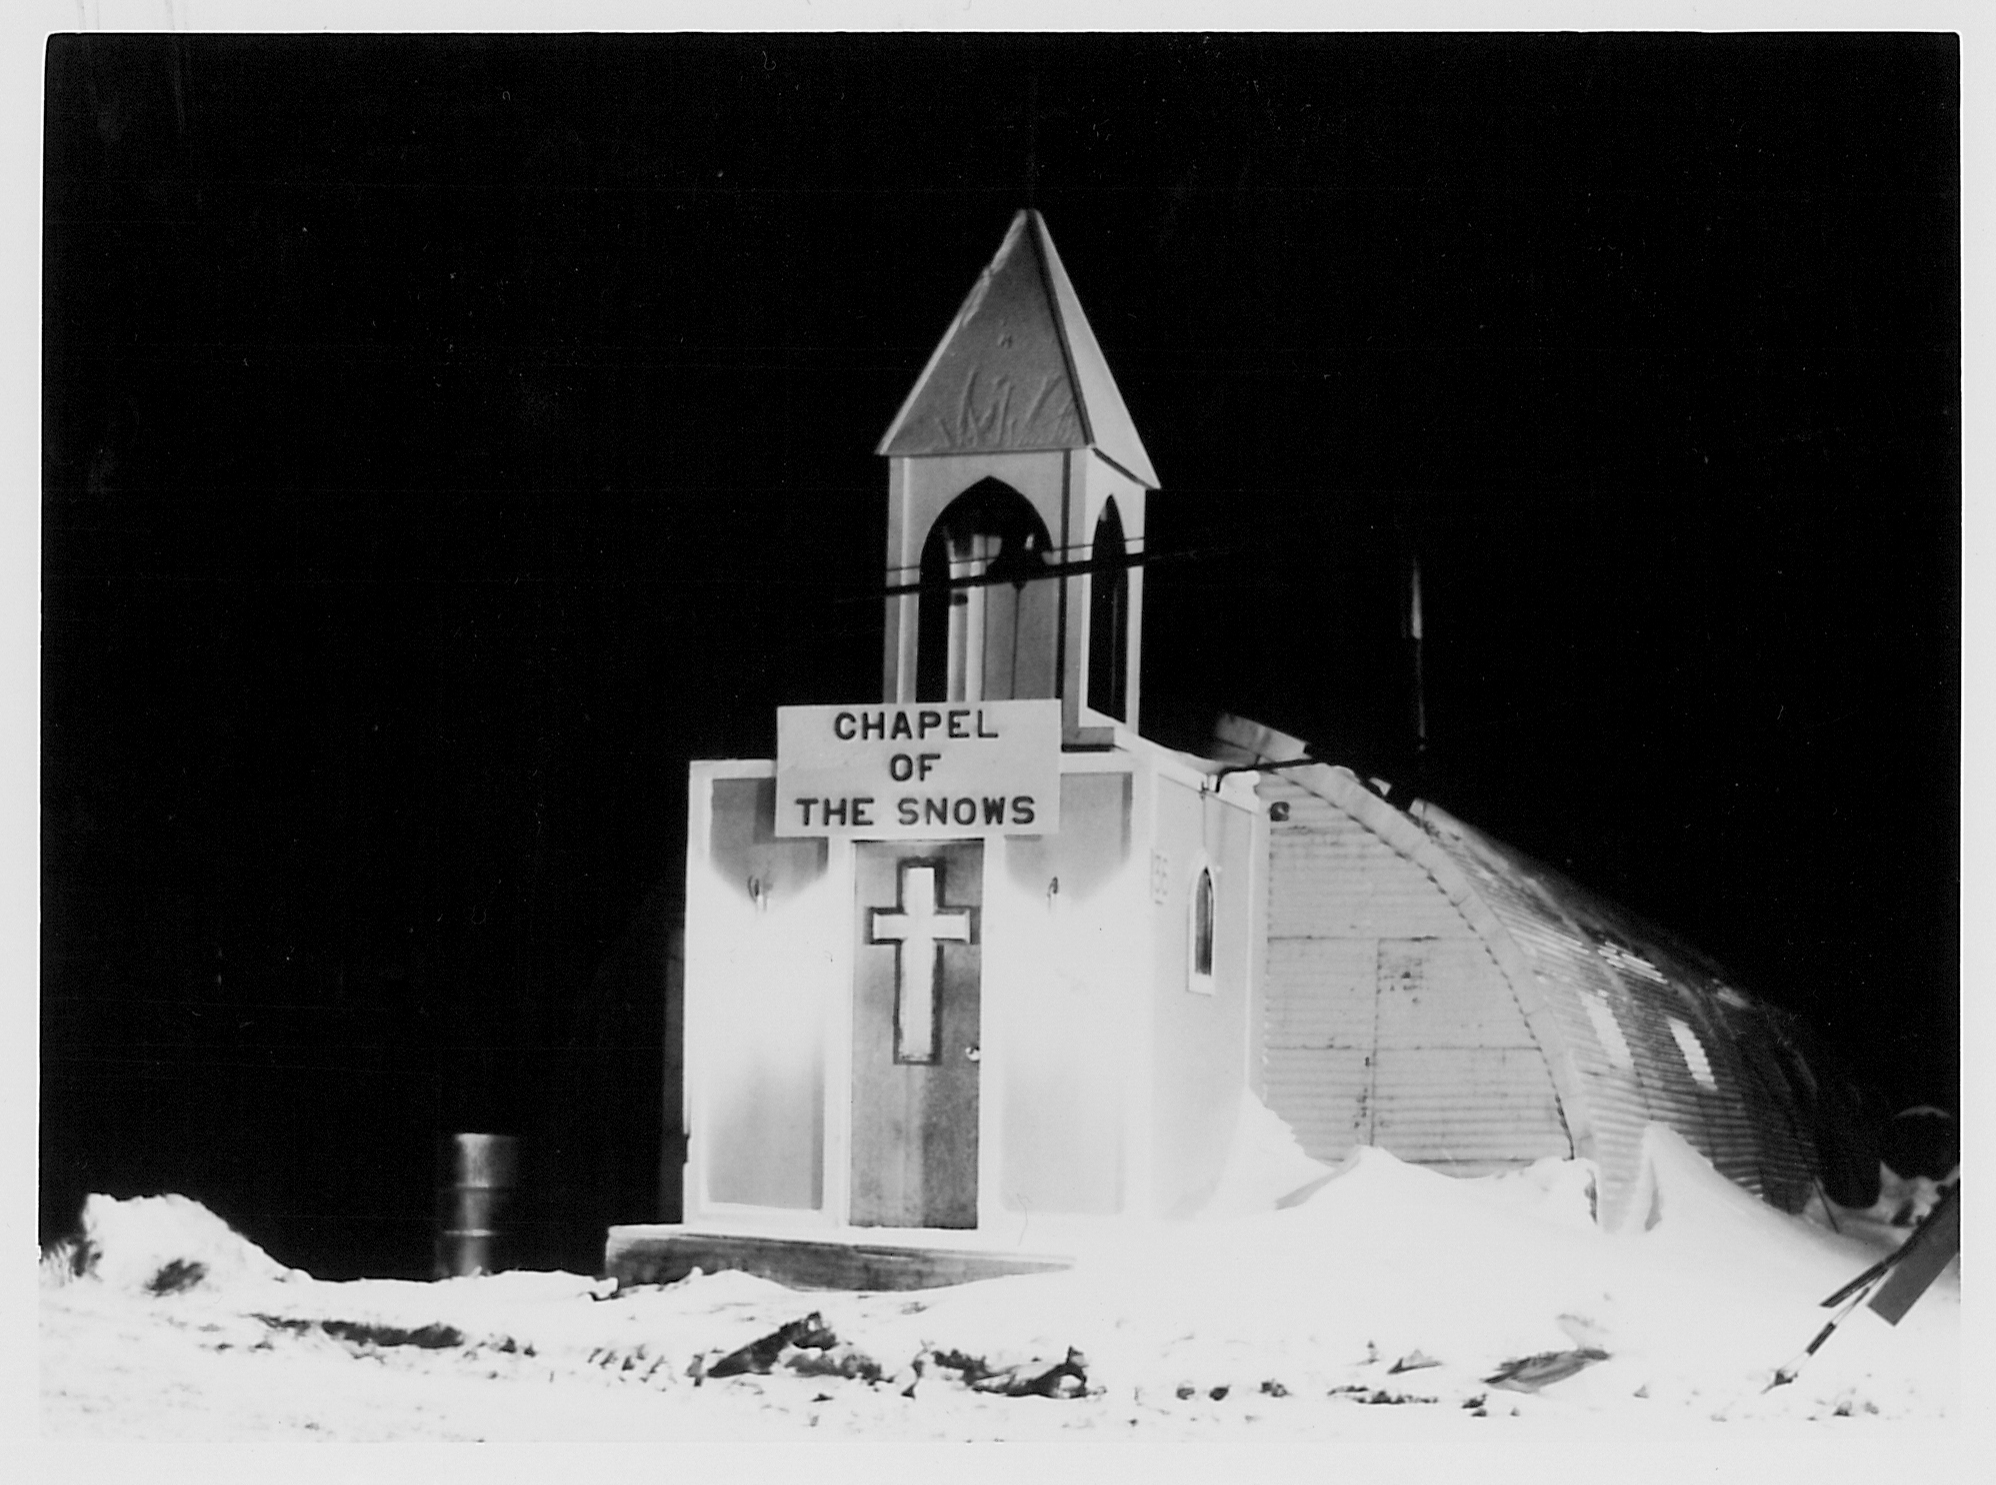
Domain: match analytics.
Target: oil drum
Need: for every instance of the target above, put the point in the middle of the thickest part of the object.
(474, 1196)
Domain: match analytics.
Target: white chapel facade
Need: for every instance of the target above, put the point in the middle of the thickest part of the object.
(973, 953)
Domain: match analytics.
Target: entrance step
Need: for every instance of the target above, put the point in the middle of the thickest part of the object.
(656, 1253)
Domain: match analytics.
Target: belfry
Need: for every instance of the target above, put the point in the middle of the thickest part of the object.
(975, 972)
(1016, 496)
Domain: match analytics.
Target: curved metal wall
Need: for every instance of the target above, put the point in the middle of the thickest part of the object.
(1746, 1122)
(1389, 1022)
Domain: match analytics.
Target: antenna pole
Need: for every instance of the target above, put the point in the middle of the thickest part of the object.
(1414, 638)
(1032, 137)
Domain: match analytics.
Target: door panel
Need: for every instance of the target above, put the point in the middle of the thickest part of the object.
(916, 1031)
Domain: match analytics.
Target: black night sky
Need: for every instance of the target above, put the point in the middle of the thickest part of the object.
(448, 438)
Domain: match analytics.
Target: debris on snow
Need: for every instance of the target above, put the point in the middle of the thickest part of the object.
(428, 1338)
(180, 1274)
(1036, 1378)
(759, 1356)
(840, 1360)
(1530, 1373)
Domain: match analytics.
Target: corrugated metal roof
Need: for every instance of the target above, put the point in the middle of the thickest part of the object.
(1019, 369)
(1584, 948)
(1750, 1131)
(1437, 993)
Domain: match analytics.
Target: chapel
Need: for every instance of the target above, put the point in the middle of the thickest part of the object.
(973, 970)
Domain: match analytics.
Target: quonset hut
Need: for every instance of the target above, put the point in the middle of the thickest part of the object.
(975, 964)
(1433, 992)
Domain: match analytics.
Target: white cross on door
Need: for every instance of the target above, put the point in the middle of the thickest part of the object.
(918, 931)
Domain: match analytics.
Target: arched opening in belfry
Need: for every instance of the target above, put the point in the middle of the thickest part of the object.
(988, 612)
(1109, 617)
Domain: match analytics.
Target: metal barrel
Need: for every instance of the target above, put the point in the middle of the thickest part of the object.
(473, 1200)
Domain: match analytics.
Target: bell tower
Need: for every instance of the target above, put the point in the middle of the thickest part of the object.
(1016, 489)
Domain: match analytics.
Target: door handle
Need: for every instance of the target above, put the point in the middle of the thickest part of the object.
(975, 1054)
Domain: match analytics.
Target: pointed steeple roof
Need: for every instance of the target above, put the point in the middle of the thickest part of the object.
(1019, 369)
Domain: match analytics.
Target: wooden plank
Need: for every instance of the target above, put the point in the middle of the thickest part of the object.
(663, 1255)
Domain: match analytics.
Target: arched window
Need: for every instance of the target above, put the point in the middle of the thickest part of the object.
(1109, 617)
(985, 627)
(1203, 916)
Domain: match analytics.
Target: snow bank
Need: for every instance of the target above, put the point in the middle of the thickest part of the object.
(1264, 1163)
(1723, 1289)
(1382, 1261)
(1395, 1279)
(162, 1245)
(1384, 1283)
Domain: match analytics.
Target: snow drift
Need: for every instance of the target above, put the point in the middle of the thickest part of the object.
(1379, 1283)
(159, 1245)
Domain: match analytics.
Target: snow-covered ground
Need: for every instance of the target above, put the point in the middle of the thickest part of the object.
(1379, 1309)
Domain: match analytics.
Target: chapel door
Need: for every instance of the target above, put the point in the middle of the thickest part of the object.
(915, 1033)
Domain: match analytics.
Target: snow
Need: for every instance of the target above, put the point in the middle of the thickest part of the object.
(156, 1244)
(1264, 1163)
(1376, 1307)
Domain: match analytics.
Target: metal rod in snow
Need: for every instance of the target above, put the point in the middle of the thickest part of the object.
(1893, 1283)
(1788, 1371)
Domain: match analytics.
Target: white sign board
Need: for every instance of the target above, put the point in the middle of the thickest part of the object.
(924, 772)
